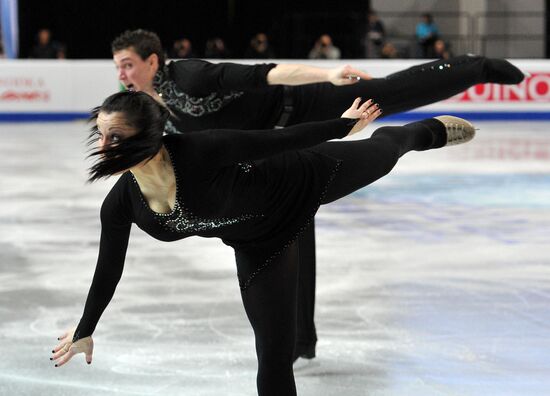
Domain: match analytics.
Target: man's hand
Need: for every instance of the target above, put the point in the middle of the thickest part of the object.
(346, 75)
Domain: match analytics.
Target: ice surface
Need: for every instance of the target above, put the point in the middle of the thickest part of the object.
(432, 281)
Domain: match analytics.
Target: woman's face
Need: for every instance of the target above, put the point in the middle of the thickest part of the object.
(112, 128)
(134, 72)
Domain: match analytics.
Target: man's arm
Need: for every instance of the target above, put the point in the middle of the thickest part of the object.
(296, 74)
(199, 77)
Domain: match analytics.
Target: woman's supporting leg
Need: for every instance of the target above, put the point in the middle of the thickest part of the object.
(365, 161)
(270, 304)
(406, 90)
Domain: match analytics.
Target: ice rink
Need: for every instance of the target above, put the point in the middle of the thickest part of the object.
(432, 281)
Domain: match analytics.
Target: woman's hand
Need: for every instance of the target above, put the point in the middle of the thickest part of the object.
(346, 75)
(363, 113)
(66, 349)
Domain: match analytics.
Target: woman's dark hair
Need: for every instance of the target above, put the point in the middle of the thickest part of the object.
(143, 114)
(143, 42)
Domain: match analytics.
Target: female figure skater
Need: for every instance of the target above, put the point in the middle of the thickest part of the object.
(188, 184)
(203, 95)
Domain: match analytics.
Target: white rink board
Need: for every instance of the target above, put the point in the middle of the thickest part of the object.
(76, 86)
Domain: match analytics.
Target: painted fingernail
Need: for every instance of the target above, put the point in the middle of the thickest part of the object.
(51, 358)
(89, 362)
(53, 351)
(56, 365)
(58, 338)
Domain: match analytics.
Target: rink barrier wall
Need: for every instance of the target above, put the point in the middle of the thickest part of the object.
(66, 90)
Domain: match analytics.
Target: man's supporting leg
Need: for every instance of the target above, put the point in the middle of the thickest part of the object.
(306, 333)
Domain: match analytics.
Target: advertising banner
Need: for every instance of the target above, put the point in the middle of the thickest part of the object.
(32, 90)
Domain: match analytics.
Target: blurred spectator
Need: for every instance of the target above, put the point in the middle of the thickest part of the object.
(215, 49)
(324, 49)
(441, 50)
(45, 48)
(375, 36)
(426, 35)
(389, 51)
(259, 48)
(182, 49)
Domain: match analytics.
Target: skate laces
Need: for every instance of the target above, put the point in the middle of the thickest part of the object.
(457, 132)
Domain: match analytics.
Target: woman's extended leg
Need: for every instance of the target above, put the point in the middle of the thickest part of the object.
(270, 304)
(406, 90)
(365, 161)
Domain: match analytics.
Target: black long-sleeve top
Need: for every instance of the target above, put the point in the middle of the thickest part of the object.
(255, 190)
(204, 95)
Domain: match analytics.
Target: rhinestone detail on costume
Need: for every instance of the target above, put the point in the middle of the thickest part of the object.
(182, 220)
(170, 128)
(245, 283)
(190, 105)
(436, 66)
(245, 166)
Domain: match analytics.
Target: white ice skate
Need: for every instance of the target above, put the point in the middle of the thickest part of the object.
(458, 129)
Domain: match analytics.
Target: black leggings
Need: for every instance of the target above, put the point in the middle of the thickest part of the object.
(402, 91)
(270, 301)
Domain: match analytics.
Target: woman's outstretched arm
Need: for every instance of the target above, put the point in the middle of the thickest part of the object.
(226, 147)
(115, 232)
(110, 264)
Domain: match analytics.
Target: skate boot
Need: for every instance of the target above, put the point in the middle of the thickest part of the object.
(458, 129)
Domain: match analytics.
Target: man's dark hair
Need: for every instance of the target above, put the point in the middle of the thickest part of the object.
(142, 113)
(143, 42)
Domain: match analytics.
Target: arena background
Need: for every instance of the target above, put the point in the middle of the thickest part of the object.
(434, 281)
(61, 90)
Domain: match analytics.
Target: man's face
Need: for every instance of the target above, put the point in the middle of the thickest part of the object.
(134, 72)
